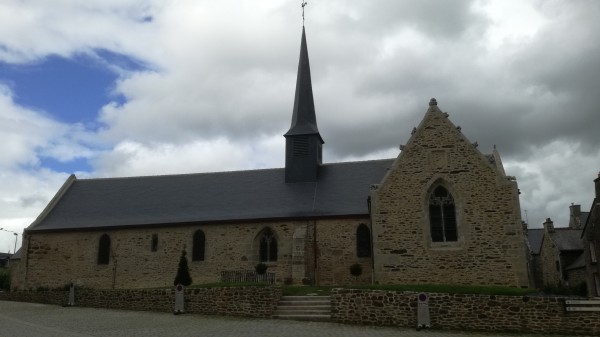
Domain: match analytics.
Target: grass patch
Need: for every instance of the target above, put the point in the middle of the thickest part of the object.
(429, 288)
(451, 289)
(230, 284)
(306, 290)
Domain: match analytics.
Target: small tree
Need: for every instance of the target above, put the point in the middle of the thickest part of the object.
(183, 271)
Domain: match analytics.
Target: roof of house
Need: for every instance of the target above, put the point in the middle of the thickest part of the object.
(567, 239)
(584, 217)
(535, 237)
(342, 189)
(17, 255)
(589, 218)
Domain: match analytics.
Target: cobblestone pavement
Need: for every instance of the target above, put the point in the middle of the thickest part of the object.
(19, 319)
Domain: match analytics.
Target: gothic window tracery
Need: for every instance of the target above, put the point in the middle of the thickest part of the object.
(442, 216)
(268, 246)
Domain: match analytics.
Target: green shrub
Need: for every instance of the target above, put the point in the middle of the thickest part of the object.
(356, 270)
(183, 271)
(261, 268)
(578, 290)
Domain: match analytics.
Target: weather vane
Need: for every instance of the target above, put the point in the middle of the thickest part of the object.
(304, 3)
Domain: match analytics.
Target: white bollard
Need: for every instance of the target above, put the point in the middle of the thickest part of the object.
(71, 301)
(179, 300)
(423, 320)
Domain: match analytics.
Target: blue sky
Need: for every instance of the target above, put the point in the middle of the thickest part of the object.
(135, 87)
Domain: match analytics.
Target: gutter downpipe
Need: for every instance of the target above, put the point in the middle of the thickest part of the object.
(371, 238)
(315, 248)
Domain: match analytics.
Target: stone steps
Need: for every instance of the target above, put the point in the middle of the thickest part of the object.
(304, 308)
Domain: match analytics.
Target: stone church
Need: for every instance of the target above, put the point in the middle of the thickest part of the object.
(440, 213)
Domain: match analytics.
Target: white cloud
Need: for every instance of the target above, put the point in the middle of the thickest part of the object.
(218, 90)
(23, 196)
(129, 158)
(556, 175)
(34, 29)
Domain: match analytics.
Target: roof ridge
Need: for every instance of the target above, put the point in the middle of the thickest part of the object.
(358, 161)
(177, 174)
(221, 172)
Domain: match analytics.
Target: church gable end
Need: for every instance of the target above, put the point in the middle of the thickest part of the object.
(445, 214)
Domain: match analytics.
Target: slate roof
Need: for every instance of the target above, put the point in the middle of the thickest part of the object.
(341, 190)
(17, 255)
(567, 239)
(534, 237)
(584, 217)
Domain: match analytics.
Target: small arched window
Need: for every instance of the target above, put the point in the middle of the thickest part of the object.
(442, 216)
(198, 246)
(363, 241)
(104, 249)
(154, 243)
(268, 246)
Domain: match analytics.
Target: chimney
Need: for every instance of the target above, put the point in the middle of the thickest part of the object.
(549, 226)
(575, 216)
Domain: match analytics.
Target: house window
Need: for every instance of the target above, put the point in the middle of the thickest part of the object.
(597, 283)
(198, 246)
(104, 249)
(268, 246)
(442, 216)
(363, 241)
(154, 244)
(593, 252)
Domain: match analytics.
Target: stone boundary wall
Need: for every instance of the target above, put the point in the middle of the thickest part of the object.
(228, 301)
(526, 314)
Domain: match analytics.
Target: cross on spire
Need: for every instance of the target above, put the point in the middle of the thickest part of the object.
(304, 3)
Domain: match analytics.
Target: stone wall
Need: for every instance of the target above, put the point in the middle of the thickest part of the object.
(490, 248)
(592, 245)
(336, 241)
(549, 260)
(523, 314)
(54, 259)
(229, 301)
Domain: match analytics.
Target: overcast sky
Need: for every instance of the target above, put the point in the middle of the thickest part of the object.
(131, 87)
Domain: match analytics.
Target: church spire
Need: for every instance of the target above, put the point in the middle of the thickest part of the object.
(304, 120)
(303, 154)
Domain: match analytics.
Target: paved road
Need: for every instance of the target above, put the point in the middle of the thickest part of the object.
(19, 319)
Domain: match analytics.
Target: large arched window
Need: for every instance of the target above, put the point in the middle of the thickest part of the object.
(363, 241)
(104, 249)
(442, 216)
(268, 246)
(198, 246)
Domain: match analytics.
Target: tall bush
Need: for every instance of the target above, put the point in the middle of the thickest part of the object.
(4, 279)
(183, 271)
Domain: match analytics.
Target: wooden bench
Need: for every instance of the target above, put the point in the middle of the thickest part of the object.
(582, 305)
